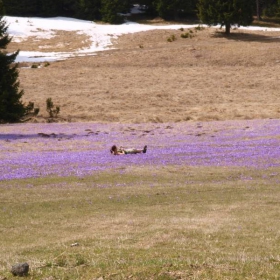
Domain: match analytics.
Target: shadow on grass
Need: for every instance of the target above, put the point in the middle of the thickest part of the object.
(18, 136)
(249, 37)
(267, 22)
(153, 19)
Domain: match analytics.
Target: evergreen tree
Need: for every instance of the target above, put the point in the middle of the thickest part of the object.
(48, 8)
(150, 6)
(89, 9)
(225, 12)
(167, 9)
(110, 10)
(172, 9)
(11, 107)
(2, 9)
(21, 8)
(68, 8)
(269, 8)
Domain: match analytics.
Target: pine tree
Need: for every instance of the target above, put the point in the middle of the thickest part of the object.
(48, 8)
(170, 9)
(11, 107)
(226, 12)
(269, 8)
(2, 8)
(89, 9)
(167, 9)
(110, 10)
(21, 8)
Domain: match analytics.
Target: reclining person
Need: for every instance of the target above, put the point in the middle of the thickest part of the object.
(122, 151)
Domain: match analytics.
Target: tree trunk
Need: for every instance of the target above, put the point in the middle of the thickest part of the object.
(258, 10)
(175, 15)
(227, 28)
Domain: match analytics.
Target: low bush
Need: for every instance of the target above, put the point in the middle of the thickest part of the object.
(172, 38)
(186, 35)
(199, 28)
(52, 109)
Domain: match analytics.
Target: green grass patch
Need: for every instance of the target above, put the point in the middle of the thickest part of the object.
(168, 223)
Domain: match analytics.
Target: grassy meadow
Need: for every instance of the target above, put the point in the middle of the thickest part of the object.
(146, 77)
(203, 203)
(173, 223)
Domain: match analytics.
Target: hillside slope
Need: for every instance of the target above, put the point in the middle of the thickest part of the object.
(148, 79)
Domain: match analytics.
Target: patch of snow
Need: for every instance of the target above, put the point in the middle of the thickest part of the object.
(20, 28)
(138, 9)
(26, 56)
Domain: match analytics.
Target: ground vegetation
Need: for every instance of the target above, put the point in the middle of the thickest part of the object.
(205, 77)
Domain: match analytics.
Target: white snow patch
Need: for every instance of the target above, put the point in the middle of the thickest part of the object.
(100, 35)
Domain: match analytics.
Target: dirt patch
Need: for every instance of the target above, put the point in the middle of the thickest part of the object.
(149, 79)
(61, 41)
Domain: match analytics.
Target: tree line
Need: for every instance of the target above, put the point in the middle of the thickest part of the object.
(110, 10)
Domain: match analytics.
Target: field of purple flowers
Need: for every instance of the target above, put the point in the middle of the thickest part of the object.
(202, 203)
(80, 149)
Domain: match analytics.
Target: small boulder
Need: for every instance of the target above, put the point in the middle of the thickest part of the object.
(20, 269)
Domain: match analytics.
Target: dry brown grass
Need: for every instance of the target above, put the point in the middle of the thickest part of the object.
(62, 41)
(147, 79)
(143, 226)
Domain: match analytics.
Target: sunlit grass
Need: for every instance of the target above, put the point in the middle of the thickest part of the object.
(166, 223)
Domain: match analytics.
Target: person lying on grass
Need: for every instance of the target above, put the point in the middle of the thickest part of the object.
(122, 151)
